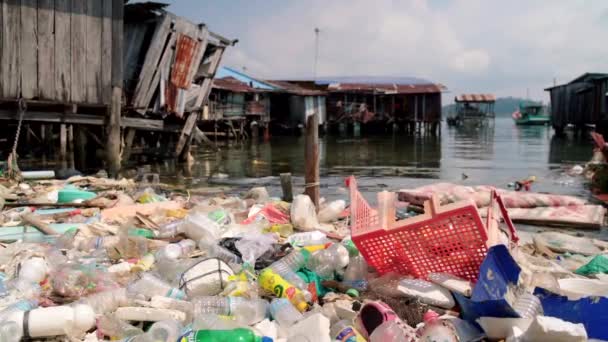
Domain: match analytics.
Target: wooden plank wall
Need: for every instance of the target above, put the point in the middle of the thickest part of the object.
(59, 50)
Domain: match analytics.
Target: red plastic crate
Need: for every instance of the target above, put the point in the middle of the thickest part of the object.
(450, 238)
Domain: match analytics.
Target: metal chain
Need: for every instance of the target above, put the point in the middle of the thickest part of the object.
(22, 107)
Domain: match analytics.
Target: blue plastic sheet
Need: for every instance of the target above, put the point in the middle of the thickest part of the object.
(592, 312)
(497, 272)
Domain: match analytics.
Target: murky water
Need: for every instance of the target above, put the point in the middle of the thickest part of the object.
(495, 154)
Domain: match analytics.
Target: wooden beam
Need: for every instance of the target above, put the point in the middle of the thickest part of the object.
(10, 78)
(312, 158)
(78, 67)
(184, 137)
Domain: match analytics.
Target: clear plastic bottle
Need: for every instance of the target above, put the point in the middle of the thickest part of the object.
(356, 273)
(214, 250)
(284, 312)
(150, 285)
(169, 230)
(296, 259)
(10, 332)
(20, 305)
(280, 268)
(391, 331)
(165, 331)
(115, 328)
(106, 301)
(344, 331)
(434, 329)
(528, 306)
(308, 239)
(246, 311)
(198, 226)
(214, 322)
(174, 251)
(325, 262)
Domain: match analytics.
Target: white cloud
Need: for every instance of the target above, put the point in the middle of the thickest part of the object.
(469, 45)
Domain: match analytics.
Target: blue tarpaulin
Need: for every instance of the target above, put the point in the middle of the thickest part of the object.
(592, 312)
(497, 272)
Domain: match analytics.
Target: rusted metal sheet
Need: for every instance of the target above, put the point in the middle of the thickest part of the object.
(233, 85)
(475, 98)
(185, 49)
(296, 89)
(385, 88)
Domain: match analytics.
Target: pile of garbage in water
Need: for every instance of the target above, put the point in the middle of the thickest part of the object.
(96, 259)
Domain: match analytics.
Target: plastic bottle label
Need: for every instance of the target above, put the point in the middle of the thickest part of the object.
(175, 293)
(349, 334)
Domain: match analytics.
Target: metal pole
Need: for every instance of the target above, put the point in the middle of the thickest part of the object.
(316, 51)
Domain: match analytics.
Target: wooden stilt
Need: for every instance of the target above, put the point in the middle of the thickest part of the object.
(312, 158)
(129, 137)
(113, 133)
(287, 187)
(71, 146)
(80, 150)
(63, 145)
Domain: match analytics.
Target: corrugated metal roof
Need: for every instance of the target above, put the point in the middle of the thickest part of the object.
(232, 84)
(391, 88)
(296, 89)
(475, 98)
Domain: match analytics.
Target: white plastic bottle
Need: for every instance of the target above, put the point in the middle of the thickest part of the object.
(150, 286)
(10, 332)
(284, 312)
(174, 251)
(246, 311)
(55, 321)
(106, 301)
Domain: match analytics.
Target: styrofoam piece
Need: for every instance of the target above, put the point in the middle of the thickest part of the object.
(497, 328)
(313, 328)
(452, 283)
(148, 314)
(427, 292)
(56, 320)
(577, 288)
(553, 329)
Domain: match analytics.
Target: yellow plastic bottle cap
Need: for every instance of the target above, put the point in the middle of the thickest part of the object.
(302, 306)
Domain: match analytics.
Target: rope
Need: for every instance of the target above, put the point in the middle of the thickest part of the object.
(312, 185)
(13, 171)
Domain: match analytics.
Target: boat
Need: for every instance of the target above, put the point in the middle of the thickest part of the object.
(472, 109)
(531, 114)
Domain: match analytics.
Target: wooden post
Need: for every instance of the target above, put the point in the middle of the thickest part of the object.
(312, 158)
(286, 186)
(63, 137)
(80, 148)
(71, 146)
(113, 133)
(129, 137)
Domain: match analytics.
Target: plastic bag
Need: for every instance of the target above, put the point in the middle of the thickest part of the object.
(254, 246)
(599, 264)
(332, 211)
(303, 213)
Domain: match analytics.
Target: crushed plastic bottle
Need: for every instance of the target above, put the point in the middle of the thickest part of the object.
(176, 250)
(150, 286)
(115, 328)
(197, 226)
(246, 311)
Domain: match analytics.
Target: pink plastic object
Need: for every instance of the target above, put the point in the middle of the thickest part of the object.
(450, 238)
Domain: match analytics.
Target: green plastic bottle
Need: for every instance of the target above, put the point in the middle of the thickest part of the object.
(234, 335)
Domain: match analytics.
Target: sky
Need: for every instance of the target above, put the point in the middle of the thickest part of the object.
(507, 48)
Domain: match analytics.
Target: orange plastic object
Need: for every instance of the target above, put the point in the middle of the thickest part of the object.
(450, 238)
